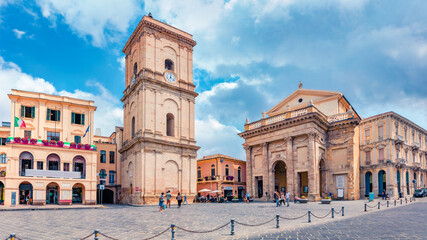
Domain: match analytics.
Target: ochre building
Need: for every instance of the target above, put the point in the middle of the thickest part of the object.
(221, 173)
(48, 161)
(308, 144)
(159, 150)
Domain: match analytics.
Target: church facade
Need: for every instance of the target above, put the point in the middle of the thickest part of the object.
(159, 150)
(307, 145)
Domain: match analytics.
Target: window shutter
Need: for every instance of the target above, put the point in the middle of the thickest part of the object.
(73, 117)
(83, 119)
(58, 115)
(48, 114)
(22, 111)
(33, 112)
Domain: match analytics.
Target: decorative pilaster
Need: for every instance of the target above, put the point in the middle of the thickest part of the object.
(290, 175)
(266, 172)
(313, 173)
(249, 177)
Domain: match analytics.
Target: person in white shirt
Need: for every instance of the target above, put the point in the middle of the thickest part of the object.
(288, 195)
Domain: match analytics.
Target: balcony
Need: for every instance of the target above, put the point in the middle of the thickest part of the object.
(398, 139)
(228, 178)
(381, 160)
(368, 162)
(52, 174)
(416, 146)
(401, 161)
(211, 178)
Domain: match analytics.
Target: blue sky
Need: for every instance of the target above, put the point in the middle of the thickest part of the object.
(250, 55)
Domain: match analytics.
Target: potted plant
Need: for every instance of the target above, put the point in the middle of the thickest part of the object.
(33, 141)
(60, 143)
(24, 140)
(17, 139)
(79, 146)
(73, 145)
(235, 199)
(52, 142)
(303, 199)
(87, 146)
(45, 142)
(326, 200)
(206, 178)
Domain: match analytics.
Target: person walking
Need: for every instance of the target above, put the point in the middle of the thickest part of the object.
(288, 195)
(179, 199)
(185, 199)
(161, 202)
(276, 198)
(282, 199)
(27, 199)
(247, 197)
(168, 198)
(267, 196)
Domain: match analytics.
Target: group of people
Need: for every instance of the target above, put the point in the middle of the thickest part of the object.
(384, 195)
(179, 199)
(281, 197)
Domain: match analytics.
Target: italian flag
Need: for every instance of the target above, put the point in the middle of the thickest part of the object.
(19, 122)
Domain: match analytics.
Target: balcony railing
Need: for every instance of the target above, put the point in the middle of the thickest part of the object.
(381, 160)
(416, 145)
(228, 178)
(368, 162)
(401, 160)
(297, 113)
(52, 174)
(398, 138)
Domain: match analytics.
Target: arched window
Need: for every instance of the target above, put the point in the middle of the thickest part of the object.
(170, 122)
(168, 65)
(3, 158)
(133, 127)
(135, 69)
(227, 170)
(199, 172)
(53, 162)
(239, 174)
(26, 161)
(213, 170)
(79, 165)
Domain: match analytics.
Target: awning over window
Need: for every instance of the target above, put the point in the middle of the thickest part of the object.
(228, 188)
(53, 158)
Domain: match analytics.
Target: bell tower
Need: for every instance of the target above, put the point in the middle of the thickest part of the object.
(159, 150)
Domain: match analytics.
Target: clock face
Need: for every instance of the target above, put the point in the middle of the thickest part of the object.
(170, 77)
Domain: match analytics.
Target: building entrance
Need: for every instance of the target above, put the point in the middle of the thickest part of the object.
(303, 176)
(25, 193)
(1, 193)
(52, 193)
(258, 180)
(280, 177)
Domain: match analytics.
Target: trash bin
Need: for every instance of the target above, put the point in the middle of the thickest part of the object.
(371, 196)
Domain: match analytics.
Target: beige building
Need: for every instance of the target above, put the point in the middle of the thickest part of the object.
(108, 168)
(159, 149)
(393, 155)
(49, 161)
(307, 144)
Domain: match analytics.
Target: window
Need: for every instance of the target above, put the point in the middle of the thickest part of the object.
(367, 157)
(367, 135)
(53, 136)
(168, 65)
(53, 115)
(133, 127)
(77, 139)
(79, 165)
(111, 157)
(27, 134)
(78, 118)
(413, 157)
(111, 177)
(3, 141)
(103, 156)
(227, 170)
(135, 69)
(53, 162)
(239, 174)
(199, 172)
(170, 121)
(380, 133)
(67, 167)
(27, 112)
(103, 175)
(381, 154)
(213, 170)
(40, 165)
(3, 158)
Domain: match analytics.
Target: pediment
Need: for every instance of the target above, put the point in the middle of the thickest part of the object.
(301, 98)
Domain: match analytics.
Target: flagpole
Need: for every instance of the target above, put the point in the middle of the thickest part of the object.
(14, 109)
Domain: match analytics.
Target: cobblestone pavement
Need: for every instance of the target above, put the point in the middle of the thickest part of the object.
(398, 223)
(127, 222)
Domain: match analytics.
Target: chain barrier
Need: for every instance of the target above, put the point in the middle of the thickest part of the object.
(255, 225)
(295, 218)
(323, 216)
(108, 236)
(158, 234)
(337, 212)
(383, 204)
(372, 206)
(208, 231)
(13, 237)
(87, 236)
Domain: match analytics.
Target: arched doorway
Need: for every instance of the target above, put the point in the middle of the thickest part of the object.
(280, 184)
(79, 165)
(368, 183)
(398, 183)
(52, 193)
(407, 182)
(78, 193)
(25, 191)
(107, 196)
(25, 162)
(53, 162)
(322, 178)
(1, 193)
(381, 182)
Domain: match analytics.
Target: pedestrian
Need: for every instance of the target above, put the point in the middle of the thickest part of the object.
(179, 199)
(27, 199)
(383, 194)
(267, 196)
(161, 202)
(276, 198)
(288, 195)
(168, 198)
(185, 199)
(247, 197)
(282, 199)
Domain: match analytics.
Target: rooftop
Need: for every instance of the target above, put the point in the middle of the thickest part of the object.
(214, 156)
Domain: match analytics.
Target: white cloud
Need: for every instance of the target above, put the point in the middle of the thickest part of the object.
(19, 34)
(122, 61)
(107, 115)
(204, 97)
(215, 137)
(101, 20)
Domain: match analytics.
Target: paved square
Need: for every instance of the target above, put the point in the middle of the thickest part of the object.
(127, 222)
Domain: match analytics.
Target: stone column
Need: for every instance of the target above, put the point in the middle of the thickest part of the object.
(313, 173)
(249, 178)
(290, 168)
(265, 173)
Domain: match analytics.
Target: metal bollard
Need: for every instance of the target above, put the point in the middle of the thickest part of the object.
(395, 202)
(365, 207)
(379, 204)
(387, 203)
(309, 216)
(232, 227)
(277, 221)
(342, 210)
(173, 231)
(12, 236)
(332, 212)
(401, 200)
(406, 200)
(96, 234)
(410, 199)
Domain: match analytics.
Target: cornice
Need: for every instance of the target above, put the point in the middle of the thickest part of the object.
(157, 141)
